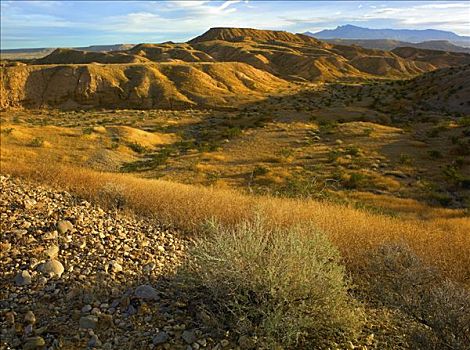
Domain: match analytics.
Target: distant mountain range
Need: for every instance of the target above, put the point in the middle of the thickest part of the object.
(43, 51)
(409, 35)
(388, 45)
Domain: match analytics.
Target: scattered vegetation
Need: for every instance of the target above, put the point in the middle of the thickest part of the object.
(398, 278)
(36, 142)
(284, 286)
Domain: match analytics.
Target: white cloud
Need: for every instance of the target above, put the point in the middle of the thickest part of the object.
(437, 16)
(444, 6)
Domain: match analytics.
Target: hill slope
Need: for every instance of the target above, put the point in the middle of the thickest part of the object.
(142, 86)
(222, 67)
(388, 44)
(286, 55)
(448, 87)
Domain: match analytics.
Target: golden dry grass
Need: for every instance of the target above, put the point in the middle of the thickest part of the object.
(442, 242)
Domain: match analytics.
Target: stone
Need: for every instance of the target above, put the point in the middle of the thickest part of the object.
(28, 330)
(49, 236)
(52, 251)
(189, 337)
(64, 226)
(34, 343)
(88, 322)
(10, 318)
(94, 341)
(86, 309)
(52, 268)
(30, 318)
(114, 266)
(29, 203)
(23, 278)
(160, 338)
(146, 291)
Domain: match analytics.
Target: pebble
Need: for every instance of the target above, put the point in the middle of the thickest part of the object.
(64, 226)
(94, 341)
(52, 251)
(49, 236)
(88, 322)
(52, 268)
(160, 338)
(23, 278)
(86, 309)
(30, 318)
(146, 291)
(34, 343)
(189, 337)
(114, 266)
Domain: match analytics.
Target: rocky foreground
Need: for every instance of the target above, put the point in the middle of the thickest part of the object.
(74, 276)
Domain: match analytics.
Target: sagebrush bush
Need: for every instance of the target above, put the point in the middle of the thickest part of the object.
(398, 278)
(284, 286)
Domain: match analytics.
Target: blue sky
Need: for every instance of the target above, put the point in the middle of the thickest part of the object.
(81, 23)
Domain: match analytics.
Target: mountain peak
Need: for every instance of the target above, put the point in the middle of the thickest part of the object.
(240, 34)
(349, 31)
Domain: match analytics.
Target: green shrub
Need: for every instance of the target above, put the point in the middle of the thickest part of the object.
(137, 147)
(355, 180)
(7, 131)
(465, 121)
(352, 150)
(283, 286)
(36, 142)
(405, 159)
(260, 170)
(87, 130)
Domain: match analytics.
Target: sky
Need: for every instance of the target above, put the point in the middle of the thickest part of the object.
(29, 24)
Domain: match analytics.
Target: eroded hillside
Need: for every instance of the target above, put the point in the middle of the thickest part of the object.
(140, 86)
(223, 67)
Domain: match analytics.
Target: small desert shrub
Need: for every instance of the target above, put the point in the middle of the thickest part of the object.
(260, 170)
(283, 286)
(355, 180)
(398, 278)
(137, 147)
(7, 131)
(87, 130)
(465, 121)
(36, 142)
(352, 150)
(405, 159)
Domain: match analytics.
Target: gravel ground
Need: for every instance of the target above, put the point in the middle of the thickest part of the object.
(73, 276)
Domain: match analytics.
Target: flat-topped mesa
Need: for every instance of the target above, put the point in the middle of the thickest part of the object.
(240, 34)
